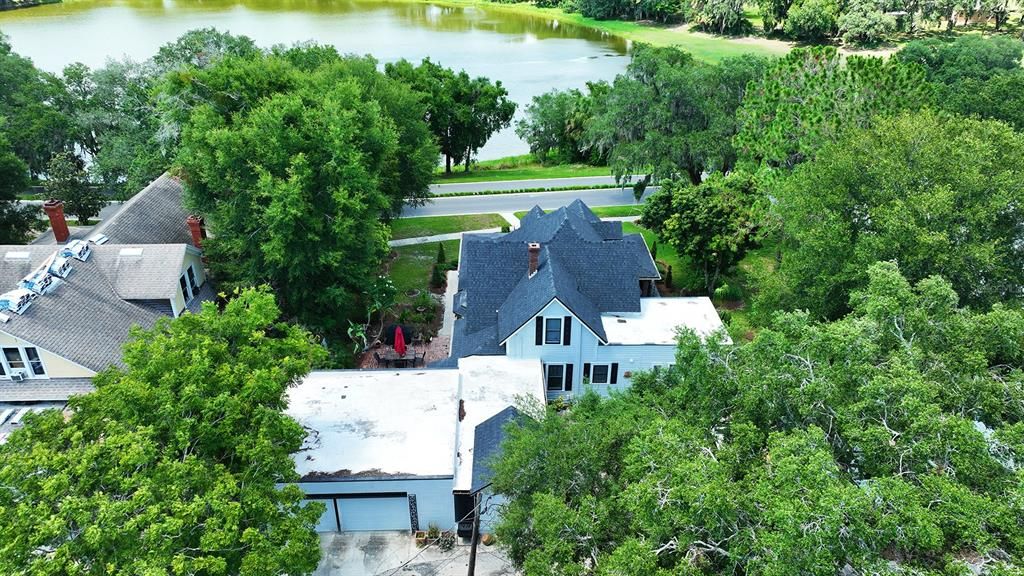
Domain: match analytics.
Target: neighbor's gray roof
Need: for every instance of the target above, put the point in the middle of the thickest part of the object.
(487, 439)
(87, 317)
(156, 215)
(588, 264)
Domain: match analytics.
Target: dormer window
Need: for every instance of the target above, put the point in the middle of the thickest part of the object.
(189, 286)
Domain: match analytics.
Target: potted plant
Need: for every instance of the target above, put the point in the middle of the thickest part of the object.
(421, 538)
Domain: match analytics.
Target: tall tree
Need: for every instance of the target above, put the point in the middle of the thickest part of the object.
(178, 463)
(809, 97)
(886, 193)
(30, 100)
(713, 223)
(67, 181)
(15, 220)
(670, 115)
(463, 112)
(293, 175)
(555, 124)
(888, 442)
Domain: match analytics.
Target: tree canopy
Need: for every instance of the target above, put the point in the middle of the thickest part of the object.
(888, 442)
(179, 462)
(713, 223)
(810, 96)
(888, 193)
(463, 112)
(15, 221)
(670, 115)
(297, 172)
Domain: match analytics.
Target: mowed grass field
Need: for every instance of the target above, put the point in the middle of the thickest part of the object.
(434, 225)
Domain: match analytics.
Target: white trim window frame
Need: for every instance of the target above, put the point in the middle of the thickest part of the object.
(595, 369)
(25, 363)
(548, 374)
(548, 330)
(186, 286)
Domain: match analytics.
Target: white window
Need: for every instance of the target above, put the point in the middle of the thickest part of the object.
(555, 374)
(552, 330)
(189, 286)
(600, 373)
(21, 360)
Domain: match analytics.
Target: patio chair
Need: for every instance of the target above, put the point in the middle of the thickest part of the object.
(380, 361)
(420, 358)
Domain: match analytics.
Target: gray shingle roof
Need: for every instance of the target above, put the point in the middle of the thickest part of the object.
(589, 265)
(156, 215)
(487, 439)
(87, 317)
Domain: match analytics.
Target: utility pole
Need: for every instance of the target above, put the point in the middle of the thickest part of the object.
(474, 539)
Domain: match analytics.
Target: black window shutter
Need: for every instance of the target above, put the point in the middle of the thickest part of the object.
(586, 370)
(615, 374)
(568, 377)
(540, 331)
(567, 331)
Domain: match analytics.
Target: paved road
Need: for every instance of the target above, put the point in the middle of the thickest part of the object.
(517, 202)
(521, 184)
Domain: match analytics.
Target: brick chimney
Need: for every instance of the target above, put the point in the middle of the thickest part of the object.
(55, 212)
(534, 250)
(198, 229)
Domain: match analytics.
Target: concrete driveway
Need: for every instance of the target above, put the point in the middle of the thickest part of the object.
(396, 554)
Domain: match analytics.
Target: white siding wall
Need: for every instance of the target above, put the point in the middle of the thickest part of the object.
(584, 348)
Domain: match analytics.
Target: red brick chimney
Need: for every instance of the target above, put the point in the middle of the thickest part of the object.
(55, 212)
(534, 249)
(198, 229)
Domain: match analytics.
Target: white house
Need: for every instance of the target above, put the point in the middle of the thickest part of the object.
(575, 293)
(69, 300)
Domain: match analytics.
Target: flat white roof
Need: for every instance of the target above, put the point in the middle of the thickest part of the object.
(376, 423)
(489, 384)
(659, 318)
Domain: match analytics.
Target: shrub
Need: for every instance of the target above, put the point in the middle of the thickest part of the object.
(440, 253)
(864, 23)
(436, 277)
(813, 19)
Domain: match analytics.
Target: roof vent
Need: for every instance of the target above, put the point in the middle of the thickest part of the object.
(133, 252)
(77, 249)
(17, 256)
(17, 300)
(99, 239)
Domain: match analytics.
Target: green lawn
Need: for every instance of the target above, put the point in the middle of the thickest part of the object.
(433, 225)
(517, 168)
(411, 269)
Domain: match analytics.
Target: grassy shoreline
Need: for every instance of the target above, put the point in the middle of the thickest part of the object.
(703, 46)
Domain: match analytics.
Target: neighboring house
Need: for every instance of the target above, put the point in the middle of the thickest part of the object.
(67, 309)
(574, 292)
(404, 449)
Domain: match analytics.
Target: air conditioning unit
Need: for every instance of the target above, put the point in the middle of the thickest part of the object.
(18, 376)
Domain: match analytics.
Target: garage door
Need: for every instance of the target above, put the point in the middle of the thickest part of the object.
(328, 521)
(391, 513)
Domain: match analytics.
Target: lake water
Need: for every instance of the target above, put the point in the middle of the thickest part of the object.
(529, 54)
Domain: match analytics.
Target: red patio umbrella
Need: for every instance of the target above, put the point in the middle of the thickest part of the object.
(399, 341)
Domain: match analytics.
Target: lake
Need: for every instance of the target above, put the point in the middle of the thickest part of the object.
(528, 54)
